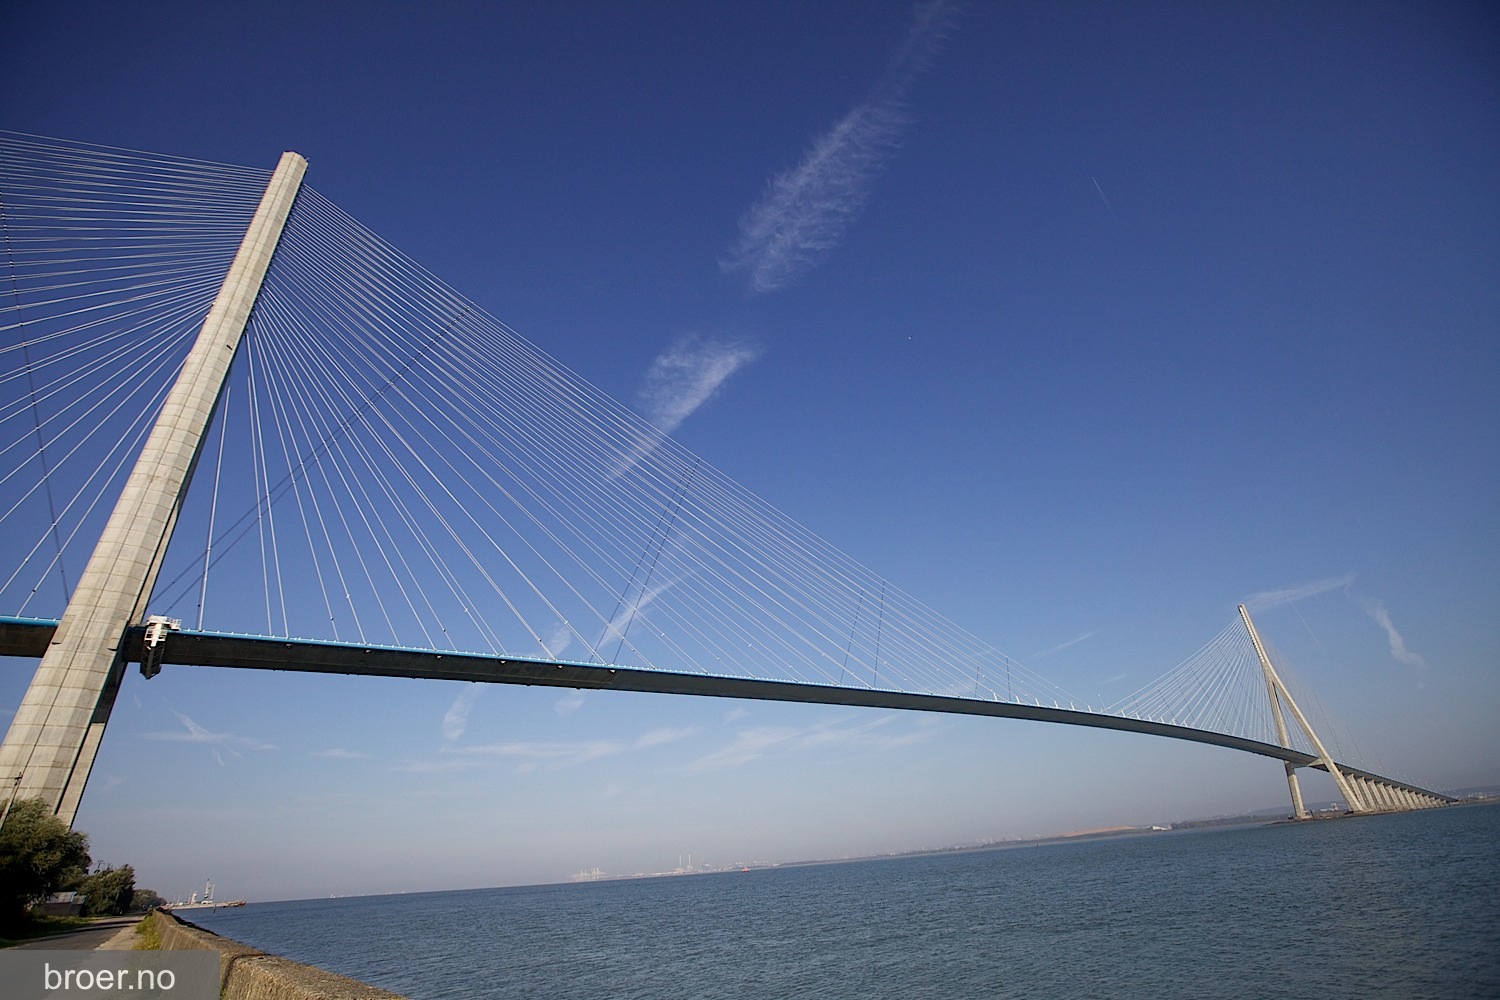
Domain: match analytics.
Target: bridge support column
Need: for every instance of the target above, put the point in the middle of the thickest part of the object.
(1278, 694)
(1356, 796)
(1299, 810)
(50, 746)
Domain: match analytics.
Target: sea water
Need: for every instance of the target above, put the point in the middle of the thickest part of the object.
(1400, 906)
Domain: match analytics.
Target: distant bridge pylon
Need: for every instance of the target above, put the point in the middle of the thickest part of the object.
(415, 481)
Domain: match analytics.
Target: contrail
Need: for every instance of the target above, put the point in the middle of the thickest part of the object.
(1268, 599)
(1062, 646)
(688, 375)
(805, 211)
(1102, 198)
(680, 380)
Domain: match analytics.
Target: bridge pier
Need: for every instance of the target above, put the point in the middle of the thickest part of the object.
(1377, 794)
(55, 735)
(1299, 810)
(1366, 794)
(1278, 694)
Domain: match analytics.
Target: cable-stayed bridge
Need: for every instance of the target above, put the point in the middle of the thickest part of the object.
(389, 481)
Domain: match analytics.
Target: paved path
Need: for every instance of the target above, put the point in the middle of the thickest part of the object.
(108, 934)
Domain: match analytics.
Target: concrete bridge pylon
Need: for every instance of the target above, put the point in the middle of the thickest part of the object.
(1282, 698)
(54, 737)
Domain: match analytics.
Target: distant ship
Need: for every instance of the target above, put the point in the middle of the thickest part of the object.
(207, 902)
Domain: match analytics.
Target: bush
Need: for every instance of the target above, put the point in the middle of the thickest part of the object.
(107, 892)
(145, 900)
(39, 855)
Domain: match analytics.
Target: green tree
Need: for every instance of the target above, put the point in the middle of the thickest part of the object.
(145, 899)
(107, 892)
(38, 856)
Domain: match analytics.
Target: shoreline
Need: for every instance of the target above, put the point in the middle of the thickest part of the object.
(247, 973)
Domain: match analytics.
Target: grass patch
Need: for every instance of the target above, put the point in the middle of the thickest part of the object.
(147, 937)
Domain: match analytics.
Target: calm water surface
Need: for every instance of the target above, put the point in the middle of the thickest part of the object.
(1403, 906)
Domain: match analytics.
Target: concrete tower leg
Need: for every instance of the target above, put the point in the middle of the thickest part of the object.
(1299, 810)
(55, 734)
(1278, 694)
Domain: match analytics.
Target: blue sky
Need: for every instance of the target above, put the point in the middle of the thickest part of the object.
(1081, 323)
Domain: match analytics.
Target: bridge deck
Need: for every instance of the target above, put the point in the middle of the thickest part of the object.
(30, 638)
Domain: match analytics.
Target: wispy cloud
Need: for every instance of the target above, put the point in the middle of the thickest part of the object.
(661, 737)
(755, 743)
(1376, 610)
(534, 755)
(1062, 646)
(339, 753)
(1268, 599)
(559, 640)
(193, 733)
(569, 703)
(527, 756)
(1373, 607)
(616, 632)
(748, 745)
(805, 210)
(435, 766)
(680, 380)
(456, 719)
(689, 374)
